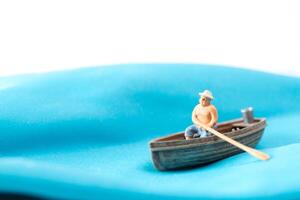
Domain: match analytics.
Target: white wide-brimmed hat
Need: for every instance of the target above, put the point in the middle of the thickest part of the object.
(206, 93)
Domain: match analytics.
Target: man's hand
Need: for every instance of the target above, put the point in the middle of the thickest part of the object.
(211, 124)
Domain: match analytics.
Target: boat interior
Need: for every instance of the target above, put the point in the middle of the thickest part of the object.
(225, 128)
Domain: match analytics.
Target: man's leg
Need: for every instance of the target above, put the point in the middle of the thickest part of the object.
(203, 133)
(208, 133)
(190, 131)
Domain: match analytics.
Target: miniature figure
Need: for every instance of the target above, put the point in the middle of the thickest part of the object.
(204, 115)
(174, 151)
(180, 150)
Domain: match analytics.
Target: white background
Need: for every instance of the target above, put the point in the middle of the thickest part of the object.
(38, 36)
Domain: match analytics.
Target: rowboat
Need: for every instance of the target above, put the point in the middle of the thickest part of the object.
(174, 152)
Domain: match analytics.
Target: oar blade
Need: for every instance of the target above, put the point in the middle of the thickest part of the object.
(260, 155)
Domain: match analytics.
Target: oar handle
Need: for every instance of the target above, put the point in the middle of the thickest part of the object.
(254, 152)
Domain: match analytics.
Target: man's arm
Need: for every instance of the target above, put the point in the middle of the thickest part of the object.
(214, 116)
(194, 118)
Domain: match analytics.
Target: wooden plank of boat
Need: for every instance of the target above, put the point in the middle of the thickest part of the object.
(173, 151)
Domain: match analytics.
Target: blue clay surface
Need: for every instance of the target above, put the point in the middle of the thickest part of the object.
(84, 133)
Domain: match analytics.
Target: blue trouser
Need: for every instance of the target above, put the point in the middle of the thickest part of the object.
(194, 131)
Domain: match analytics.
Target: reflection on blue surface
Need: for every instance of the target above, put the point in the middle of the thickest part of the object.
(84, 133)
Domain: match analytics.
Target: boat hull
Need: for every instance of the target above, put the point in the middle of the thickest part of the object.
(198, 152)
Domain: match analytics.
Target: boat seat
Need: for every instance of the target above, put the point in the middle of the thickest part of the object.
(241, 124)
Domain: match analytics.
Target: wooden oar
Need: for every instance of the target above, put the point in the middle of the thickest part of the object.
(258, 154)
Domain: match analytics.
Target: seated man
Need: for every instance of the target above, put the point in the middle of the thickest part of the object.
(204, 114)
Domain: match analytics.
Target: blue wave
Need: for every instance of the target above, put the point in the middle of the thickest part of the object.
(84, 133)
